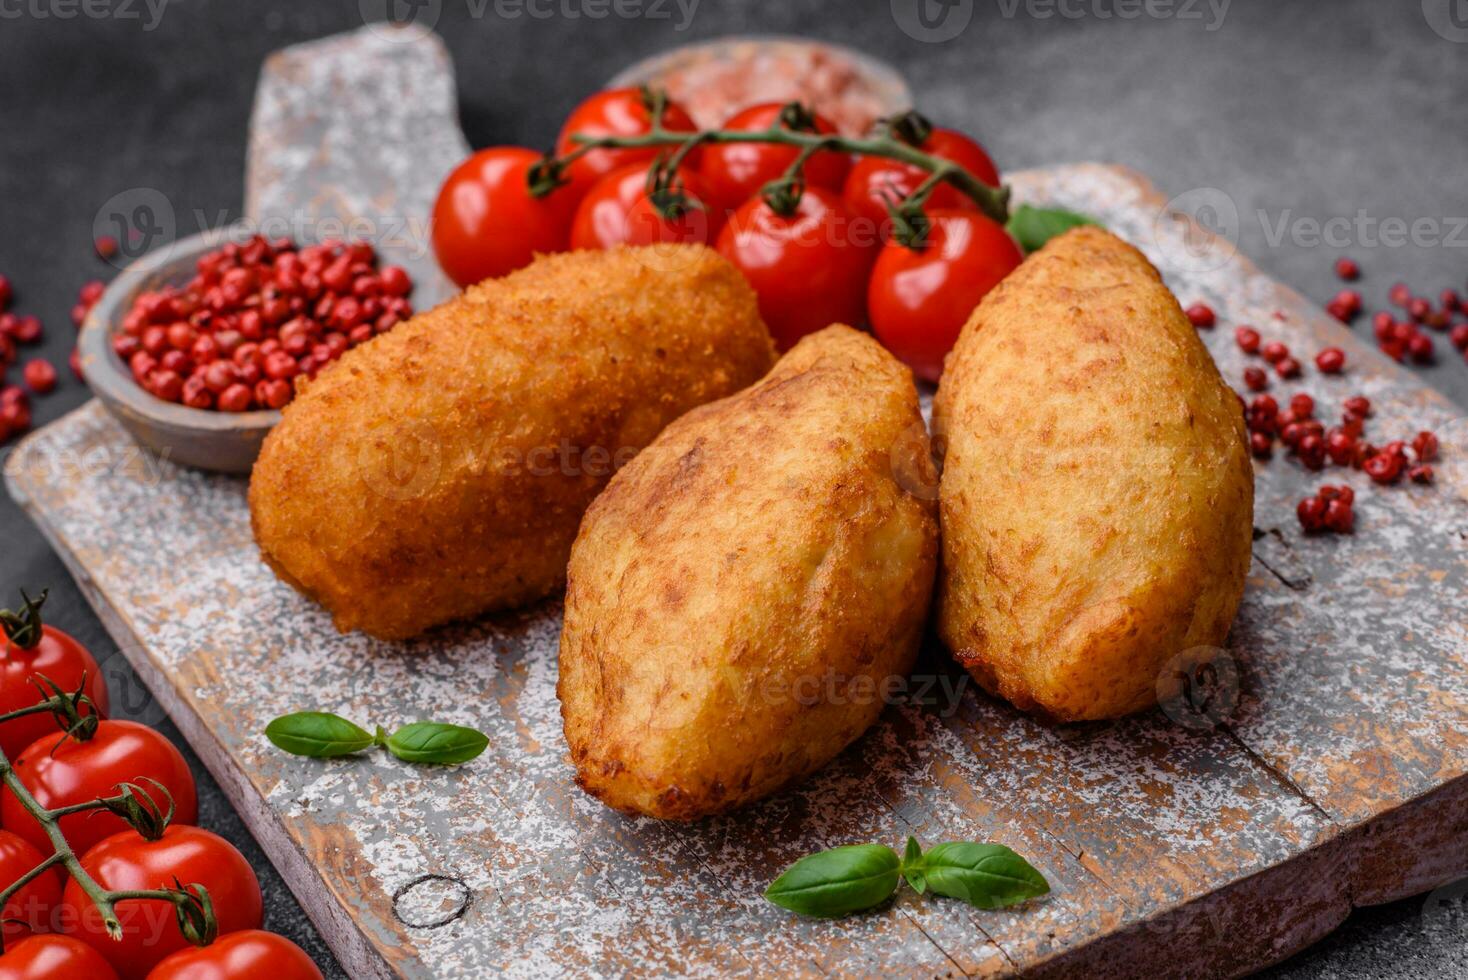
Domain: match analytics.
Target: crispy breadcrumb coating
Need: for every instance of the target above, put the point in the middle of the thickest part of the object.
(441, 470)
(1097, 492)
(743, 594)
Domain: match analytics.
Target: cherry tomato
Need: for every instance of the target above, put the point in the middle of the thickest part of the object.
(244, 955)
(76, 772)
(692, 221)
(615, 112)
(58, 657)
(50, 957)
(809, 269)
(735, 172)
(617, 211)
(875, 181)
(485, 221)
(127, 862)
(920, 299)
(32, 905)
(601, 217)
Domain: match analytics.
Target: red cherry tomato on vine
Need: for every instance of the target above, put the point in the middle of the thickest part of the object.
(601, 217)
(617, 211)
(50, 957)
(809, 269)
(57, 657)
(247, 955)
(693, 222)
(615, 112)
(32, 905)
(735, 172)
(920, 299)
(875, 181)
(78, 772)
(127, 862)
(485, 221)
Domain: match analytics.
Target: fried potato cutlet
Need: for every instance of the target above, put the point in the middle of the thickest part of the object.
(441, 470)
(746, 591)
(1097, 492)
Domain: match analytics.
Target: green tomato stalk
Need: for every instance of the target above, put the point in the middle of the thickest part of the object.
(793, 127)
(133, 804)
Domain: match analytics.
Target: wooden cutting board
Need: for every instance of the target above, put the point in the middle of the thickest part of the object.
(1316, 764)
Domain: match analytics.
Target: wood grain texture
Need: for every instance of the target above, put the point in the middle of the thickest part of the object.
(1339, 778)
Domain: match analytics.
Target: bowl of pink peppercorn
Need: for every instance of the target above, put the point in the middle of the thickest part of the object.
(197, 347)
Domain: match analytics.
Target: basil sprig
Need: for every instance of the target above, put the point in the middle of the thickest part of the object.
(861, 876)
(839, 881)
(322, 735)
(427, 741)
(1032, 227)
(987, 876)
(318, 735)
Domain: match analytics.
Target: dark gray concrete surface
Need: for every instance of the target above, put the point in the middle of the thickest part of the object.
(1347, 115)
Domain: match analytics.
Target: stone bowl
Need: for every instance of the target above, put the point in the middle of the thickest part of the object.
(223, 442)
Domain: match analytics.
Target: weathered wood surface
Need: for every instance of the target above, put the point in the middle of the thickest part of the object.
(1339, 778)
(350, 137)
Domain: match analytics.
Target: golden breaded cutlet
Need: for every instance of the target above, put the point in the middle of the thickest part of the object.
(745, 588)
(440, 470)
(1097, 491)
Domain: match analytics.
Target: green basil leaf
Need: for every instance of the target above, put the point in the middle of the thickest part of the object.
(428, 741)
(317, 734)
(1032, 227)
(912, 866)
(839, 881)
(989, 876)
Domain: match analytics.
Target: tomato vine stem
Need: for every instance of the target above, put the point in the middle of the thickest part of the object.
(993, 201)
(195, 913)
